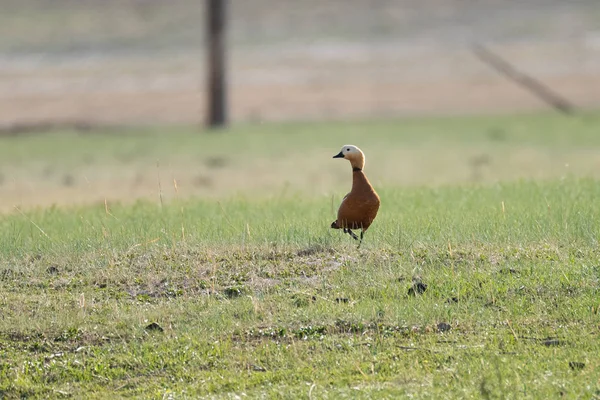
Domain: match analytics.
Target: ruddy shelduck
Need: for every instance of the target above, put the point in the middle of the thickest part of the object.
(359, 207)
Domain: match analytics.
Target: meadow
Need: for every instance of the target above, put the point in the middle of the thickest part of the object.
(167, 263)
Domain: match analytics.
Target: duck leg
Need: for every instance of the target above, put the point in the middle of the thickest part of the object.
(362, 233)
(348, 231)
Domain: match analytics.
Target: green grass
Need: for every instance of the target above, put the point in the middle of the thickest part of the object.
(249, 292)
(258, 296)
(74, 168)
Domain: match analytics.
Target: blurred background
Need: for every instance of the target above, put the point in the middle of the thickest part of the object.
(117, 90)
(131, 62)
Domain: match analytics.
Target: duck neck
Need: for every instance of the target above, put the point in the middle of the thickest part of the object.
(357, 163)
(359, 179)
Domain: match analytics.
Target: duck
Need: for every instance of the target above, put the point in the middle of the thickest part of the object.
(359, 207)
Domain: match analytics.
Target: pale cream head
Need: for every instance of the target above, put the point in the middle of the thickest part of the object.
(352, 154)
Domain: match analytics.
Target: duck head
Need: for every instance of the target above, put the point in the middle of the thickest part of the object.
(352, 154)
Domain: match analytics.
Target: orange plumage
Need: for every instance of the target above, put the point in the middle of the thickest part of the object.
(359, 207)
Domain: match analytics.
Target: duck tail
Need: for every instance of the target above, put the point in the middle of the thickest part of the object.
(334, 225)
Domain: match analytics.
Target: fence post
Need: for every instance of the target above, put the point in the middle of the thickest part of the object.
(217, 82)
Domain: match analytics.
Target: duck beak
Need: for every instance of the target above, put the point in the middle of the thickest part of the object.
(339, 155)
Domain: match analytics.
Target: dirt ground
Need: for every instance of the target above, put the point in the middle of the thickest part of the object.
(165, 94)
(135, 62)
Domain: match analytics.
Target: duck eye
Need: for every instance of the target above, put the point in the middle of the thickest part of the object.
(348, 149)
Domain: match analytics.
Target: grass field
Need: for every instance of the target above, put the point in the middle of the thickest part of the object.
(279, 159)
(479, 278)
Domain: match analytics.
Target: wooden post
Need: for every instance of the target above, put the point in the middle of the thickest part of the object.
(217, 82)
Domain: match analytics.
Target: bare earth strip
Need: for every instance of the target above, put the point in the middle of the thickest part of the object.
(316, 82)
